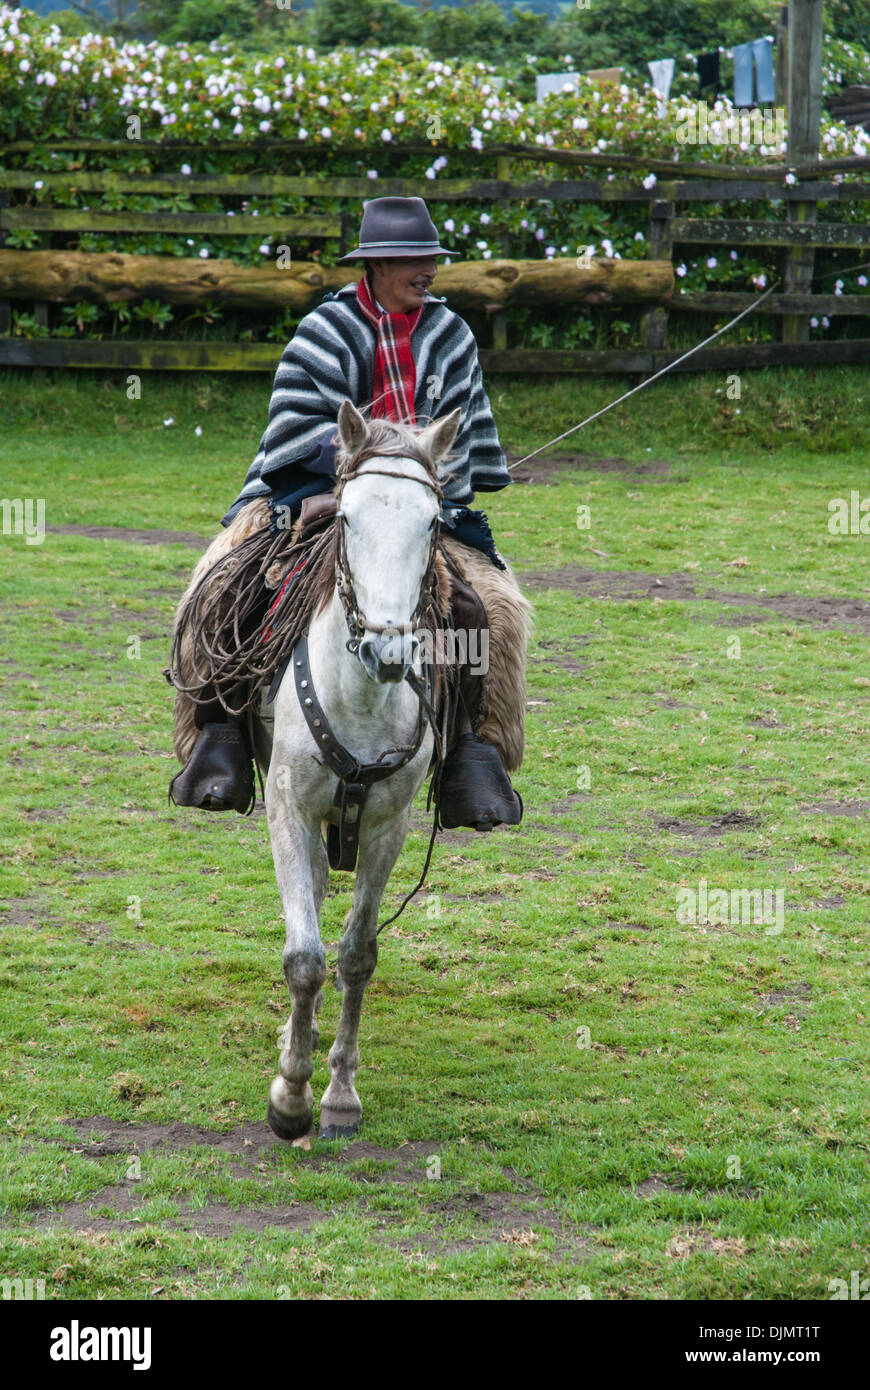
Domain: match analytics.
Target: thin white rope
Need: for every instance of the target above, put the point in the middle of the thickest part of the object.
(649, 381)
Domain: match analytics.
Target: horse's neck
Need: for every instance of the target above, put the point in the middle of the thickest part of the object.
(351, 701)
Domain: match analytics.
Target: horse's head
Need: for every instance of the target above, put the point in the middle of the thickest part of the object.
(389, 513)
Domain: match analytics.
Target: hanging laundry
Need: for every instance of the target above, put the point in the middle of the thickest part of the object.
(765, 87)
(708, 73)
(662, 74)
(743, 74)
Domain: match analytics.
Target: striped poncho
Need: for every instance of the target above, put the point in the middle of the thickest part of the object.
(331, 357)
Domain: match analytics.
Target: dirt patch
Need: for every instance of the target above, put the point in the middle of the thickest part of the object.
(731, 820)
(99, 1137)
(686, 1243)
(549, 468)
(784, 996)
(623, 585)
(836, 808)
(26, 912)
(499, 1217)
(656, 1184)
(218, 1219)
(134, 534)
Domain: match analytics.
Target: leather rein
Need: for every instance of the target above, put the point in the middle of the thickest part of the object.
(354, 777)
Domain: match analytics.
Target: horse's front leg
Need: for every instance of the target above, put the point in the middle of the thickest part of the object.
(302, 872)
(340, 1108)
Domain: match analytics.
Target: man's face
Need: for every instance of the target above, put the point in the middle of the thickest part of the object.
(400, 283)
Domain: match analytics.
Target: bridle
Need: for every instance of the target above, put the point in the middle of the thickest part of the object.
(355, 778)
(357, 622)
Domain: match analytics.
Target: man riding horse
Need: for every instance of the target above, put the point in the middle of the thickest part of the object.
(390, 344)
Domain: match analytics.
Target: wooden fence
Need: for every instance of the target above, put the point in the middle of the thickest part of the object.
(669, 226)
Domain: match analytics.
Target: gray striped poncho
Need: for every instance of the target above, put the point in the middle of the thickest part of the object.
(331, 356)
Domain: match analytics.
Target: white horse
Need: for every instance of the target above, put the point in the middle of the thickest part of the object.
(389, 512)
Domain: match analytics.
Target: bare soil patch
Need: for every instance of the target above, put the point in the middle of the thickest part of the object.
(549, 468)
(132, 533)
(836, 808)
(624, 585)
(729, 820)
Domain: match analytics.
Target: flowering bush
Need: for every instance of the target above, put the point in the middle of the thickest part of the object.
(373, 101)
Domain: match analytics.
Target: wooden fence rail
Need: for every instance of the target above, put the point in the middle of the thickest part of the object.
(668, 228)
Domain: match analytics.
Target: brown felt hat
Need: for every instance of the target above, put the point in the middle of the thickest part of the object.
(396, 227)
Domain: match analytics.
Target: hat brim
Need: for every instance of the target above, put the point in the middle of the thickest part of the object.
(384, 252)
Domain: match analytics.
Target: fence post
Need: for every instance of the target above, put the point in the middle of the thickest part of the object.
(659, 247)
(804, 117)
(499, 318)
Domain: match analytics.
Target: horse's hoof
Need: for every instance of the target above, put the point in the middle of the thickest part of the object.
(338, 1124)
(288, 1126)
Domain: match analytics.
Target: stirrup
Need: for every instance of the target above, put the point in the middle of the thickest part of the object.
(219, 775)
(474, 790)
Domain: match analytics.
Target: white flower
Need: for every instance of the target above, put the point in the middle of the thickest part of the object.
(265, 126)
(198, 429)
(485, 218)
(264, 248)
(186, 169)
(759, 281)
(238, 128)
(386, 135)
(734, 255)
(539, 234)
(399, 117)
(712, 263)
(203, 251)
(49, 79)
(486, 255)
(169, 421)
(24, 65)
(326, 132)
(838, 287)
(450, 225)
(680, 271)
(323, 100)
(38, 183)
(302, 133)
(826, 322)
(650, 181)
(430, 173)
(862, 281)
(372, 173)
(481, 245)
(790, 178)
(639, 236)
(549, 251)
(814, 323)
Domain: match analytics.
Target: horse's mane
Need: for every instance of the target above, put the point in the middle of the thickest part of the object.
(218, 648)
(388, 439)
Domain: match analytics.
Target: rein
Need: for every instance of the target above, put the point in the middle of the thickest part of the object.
(356, 778)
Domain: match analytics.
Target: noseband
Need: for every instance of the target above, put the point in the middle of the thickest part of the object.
(357, 622)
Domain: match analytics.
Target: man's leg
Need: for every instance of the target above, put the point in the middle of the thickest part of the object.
(474, 788)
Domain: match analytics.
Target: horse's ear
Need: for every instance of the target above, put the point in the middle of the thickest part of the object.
(439, 436)
(352, 428)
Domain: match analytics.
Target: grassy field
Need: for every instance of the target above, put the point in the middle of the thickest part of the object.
(569, 1089)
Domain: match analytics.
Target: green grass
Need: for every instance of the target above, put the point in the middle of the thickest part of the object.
(142, 963)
